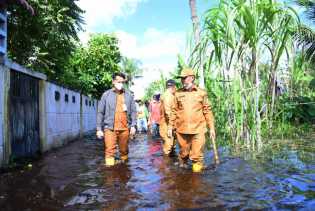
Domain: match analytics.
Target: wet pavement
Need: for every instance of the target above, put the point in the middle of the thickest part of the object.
(73, 178)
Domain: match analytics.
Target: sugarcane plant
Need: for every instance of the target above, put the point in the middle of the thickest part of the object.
(245, 44)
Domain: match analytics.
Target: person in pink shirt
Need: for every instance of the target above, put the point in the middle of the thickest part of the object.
(155, 115)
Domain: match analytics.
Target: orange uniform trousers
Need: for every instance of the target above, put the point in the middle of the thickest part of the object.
(168, 142)
(191, 146)
(113, 138)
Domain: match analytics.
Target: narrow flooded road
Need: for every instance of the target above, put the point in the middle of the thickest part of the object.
(73, 178)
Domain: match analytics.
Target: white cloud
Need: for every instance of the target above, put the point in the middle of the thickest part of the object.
(154, 44)
(156, 49)
(103, 12)
(128, 44)
(84, 37)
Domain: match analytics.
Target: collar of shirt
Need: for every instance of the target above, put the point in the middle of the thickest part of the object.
(193, 88)
(169, 92)
(117, 91)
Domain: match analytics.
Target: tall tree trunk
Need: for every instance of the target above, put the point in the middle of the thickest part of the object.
(195, 21)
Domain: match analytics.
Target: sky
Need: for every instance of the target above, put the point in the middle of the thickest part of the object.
(152, 31)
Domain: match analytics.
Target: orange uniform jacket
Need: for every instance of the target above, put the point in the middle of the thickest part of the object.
(166, 107)
(191, 112)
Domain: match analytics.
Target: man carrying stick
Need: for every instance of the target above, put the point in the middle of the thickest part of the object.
(190, 115)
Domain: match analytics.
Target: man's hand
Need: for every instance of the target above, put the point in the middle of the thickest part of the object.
(170, 133)
(99, 134)
(212, 134)
(132, 131)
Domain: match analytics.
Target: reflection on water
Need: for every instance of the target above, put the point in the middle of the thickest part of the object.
(73, 178)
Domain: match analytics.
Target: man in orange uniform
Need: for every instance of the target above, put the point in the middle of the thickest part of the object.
(191, 113)
(116, 119)
(166, 106)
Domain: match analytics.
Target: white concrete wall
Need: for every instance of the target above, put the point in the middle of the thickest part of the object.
(60, 121)
(89, 110)
(63, 118)
(1, 112)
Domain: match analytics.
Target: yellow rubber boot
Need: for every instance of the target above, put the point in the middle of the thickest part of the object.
(109, 161)
(124, 158)
(197, 167)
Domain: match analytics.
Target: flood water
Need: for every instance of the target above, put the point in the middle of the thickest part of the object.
(74, 178)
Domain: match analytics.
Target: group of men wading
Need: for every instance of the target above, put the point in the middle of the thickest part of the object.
(185, 116)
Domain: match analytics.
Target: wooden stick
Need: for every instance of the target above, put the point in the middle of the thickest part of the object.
(215, 151)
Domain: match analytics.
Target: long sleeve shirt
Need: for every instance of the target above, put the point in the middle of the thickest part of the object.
(191, 112)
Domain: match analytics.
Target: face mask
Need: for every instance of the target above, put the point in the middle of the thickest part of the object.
(118, 86)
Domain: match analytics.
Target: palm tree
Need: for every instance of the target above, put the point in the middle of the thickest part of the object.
(131, 67)
(196, 30)
(306, 36)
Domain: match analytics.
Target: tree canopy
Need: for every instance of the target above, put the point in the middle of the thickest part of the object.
(45, 40)
(90, 67)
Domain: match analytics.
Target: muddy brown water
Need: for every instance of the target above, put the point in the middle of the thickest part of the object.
(73, 178)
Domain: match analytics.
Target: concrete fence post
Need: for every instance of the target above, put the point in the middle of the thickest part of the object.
(81, 116)
(1, 115)
(42, 117)
(6, 116)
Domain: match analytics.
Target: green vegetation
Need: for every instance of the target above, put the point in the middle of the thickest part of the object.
(131, 67)
(256, 55)
(159, 85)
(48, 42)
(252, 67)
(260, 80)
(155, 87)
(306, 36)
(44, 41)
(91, 67)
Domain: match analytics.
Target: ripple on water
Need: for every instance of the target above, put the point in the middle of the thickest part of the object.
(89, 196)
